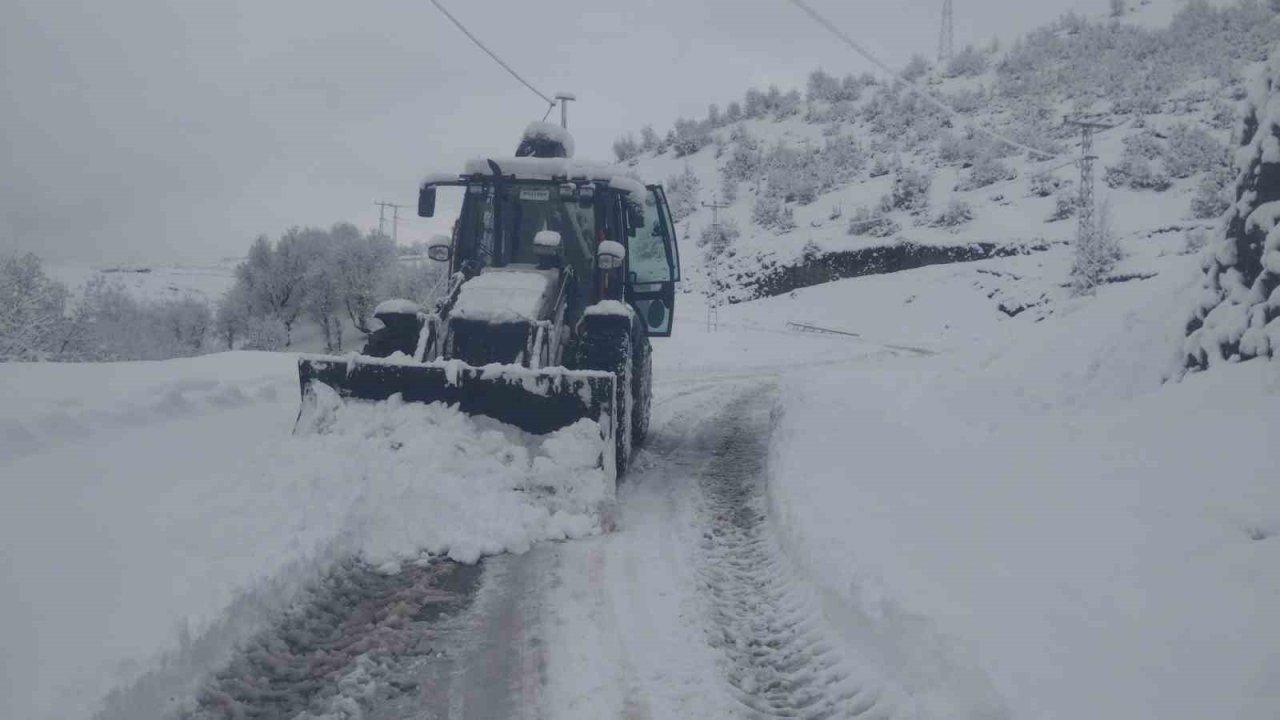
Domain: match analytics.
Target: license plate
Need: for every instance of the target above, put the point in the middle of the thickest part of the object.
(536, 194)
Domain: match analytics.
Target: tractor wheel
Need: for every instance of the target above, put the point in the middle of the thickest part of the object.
(608, 347)
(641, 391)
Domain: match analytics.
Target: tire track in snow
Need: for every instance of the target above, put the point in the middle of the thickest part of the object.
(762, 618)
(357, 642)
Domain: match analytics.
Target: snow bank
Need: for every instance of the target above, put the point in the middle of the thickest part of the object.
(52, 404)
(164, 510)
(425, 478)
(1037, 527)
(505, 295)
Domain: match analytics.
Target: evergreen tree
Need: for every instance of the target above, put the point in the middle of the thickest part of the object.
(1239, 311)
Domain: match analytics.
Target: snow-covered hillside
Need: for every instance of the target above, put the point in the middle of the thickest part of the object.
(861, 162)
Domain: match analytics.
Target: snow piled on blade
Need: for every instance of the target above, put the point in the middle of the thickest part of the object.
(412, 478)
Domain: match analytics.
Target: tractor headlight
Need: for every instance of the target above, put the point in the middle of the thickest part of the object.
(610, 255)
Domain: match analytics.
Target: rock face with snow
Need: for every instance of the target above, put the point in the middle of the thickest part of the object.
(1238, 316)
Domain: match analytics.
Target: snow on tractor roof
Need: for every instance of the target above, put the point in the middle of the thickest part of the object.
(532, 168)
(548, 131)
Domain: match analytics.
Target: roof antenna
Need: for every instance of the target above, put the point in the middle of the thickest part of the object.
(564, 99)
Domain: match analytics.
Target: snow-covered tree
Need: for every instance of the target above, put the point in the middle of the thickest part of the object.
(683, 193)
(1117, 8)
(231, 320)
(625, 148)
(769, 212)
(968, 62)
(649, 139)
(363, 265)
(32, 308)
(910, 190)
(1238, 314)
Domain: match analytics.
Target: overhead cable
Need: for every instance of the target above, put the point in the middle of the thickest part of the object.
(493, 55)
(924, 94)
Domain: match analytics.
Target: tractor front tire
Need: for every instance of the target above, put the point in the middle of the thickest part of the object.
(607, 345)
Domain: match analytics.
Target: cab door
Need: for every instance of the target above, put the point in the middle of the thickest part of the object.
(653, 265)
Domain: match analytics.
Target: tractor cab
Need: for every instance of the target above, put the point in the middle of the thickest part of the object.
(597, 233)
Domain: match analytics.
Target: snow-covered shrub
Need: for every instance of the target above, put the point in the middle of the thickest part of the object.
(986, 171)
(266, 333)
(1096, 254)
(1065, 206)
(729, 190)
(690, 136)
(746, 158)
(1136, 168)
(625, 148)
(911, 190)
(968, 62)
(32, 309)
(966, 101)
(1212, 197)
(872, 222)
(1117, 8)
(822, 87)
(1194, 240)
(683, 192)
(1043, 184)
(1238, 313)
(771, 213)
(957, 213)
(916, 68)
(961, 150)
(715, 240)
(1193, 150)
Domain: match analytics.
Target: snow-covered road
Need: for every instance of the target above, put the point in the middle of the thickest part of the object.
(686, 610)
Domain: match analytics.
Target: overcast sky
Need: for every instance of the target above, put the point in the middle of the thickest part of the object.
(143, 131)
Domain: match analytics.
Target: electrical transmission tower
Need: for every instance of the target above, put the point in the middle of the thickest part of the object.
(395, 218)
(1085, 228)
(947, 40)
(713, 304)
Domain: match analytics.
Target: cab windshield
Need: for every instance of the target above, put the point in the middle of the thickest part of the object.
(521, 210)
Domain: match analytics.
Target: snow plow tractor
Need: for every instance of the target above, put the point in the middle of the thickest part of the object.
(560, 273)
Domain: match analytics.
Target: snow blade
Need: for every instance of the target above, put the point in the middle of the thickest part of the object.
(536, 401)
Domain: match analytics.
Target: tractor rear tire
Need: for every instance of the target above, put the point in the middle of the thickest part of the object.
(641, 390)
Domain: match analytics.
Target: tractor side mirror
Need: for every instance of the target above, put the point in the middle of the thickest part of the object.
(440, 248)
(426, 201)
(635, 216)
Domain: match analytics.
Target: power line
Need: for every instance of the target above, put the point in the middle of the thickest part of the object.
(924, 94)
(493, 55)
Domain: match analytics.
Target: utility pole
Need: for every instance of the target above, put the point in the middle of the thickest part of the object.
(395, 218)
(715, 211)
(947, 39)
(1085, 227)
(564, 99)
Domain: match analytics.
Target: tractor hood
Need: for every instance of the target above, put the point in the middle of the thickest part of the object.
(505, 295)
